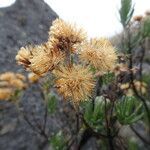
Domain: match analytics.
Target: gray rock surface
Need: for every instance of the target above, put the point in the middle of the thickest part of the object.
(25, 22)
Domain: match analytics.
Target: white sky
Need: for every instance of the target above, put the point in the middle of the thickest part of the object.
(97, 17)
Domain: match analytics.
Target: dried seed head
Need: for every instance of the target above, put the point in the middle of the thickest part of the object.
(39, 59)
(100, 53)
(45, 59)
(7, 76)
(20, 76)
(4, 84)
(65, 36)
(23, 56)
(13, 80)
(9, 82)
(75, 83)
(17, 83)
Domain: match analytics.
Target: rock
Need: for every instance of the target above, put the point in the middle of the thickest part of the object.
(146, 68)
(8, 127)
(25, 22)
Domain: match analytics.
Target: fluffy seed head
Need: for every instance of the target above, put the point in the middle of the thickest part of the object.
(23, 56)
(20, 76)
(39, 59)
(45, 60)
(66, 35)
(100, 53)
(7, 76)
(75, 83)
(12, 80)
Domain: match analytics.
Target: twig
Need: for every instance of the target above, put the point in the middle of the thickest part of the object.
(45, 118)
(30, 124)
(43, 95)
(110, 138)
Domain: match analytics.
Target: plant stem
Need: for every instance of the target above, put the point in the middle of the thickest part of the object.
(110, 138)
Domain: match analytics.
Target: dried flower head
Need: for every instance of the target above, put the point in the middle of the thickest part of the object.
(39, 59)
(12, 80)
(45, 59)
(17, 83)
(100, 53)
(7, 76)
(65, 36)
(20, 76)
(23, 56)
(75, 83)
(9, 82)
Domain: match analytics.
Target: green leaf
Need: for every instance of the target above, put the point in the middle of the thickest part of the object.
(132, 145)
(16, 95)
(88, 111)
(146, 78)
(145, 28)
(98, 113)
(128, 110)
(52, 103)
(57, 141)
(95, 117)
(126, 12)
(107, 78)
(137, 118)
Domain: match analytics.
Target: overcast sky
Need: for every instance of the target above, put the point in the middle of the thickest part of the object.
(97, 17)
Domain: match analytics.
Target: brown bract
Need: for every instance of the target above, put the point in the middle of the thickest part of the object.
(100, 53)
(75, 83)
